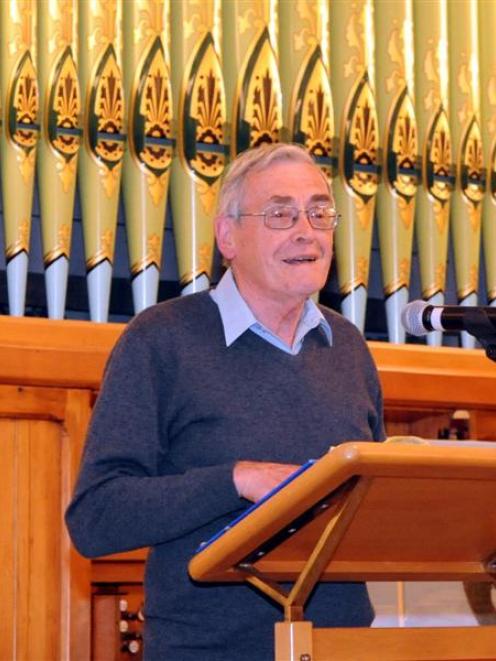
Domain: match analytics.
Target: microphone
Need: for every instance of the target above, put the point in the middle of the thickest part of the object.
(420, 318)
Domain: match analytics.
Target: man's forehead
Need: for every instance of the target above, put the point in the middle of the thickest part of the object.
(286, 181)
(290, 199)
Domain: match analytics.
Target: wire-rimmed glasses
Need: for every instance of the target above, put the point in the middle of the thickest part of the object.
(283, 217)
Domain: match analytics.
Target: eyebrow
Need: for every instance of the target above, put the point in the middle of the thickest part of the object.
(287, 199)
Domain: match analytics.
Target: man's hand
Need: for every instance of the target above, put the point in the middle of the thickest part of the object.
(253, 479)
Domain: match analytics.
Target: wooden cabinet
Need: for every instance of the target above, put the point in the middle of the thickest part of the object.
(50, 372)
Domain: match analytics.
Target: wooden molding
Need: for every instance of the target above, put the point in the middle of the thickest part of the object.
(435, 377)
(36, 351)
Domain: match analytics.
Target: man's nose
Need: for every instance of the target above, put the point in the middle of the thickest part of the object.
(303, 225)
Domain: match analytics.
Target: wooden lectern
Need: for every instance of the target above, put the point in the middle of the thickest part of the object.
(368, 511)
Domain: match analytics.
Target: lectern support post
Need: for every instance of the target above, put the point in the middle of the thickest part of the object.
(294, 641)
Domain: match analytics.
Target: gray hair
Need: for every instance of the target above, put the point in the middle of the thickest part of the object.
(256, 160)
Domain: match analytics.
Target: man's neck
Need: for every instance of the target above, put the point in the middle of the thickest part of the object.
(279, 316)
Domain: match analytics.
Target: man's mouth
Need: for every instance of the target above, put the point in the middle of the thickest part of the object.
(299, 260)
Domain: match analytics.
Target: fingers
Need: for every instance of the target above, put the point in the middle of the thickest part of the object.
(253, 479)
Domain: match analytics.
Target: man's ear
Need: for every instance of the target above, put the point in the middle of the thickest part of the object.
(224, 235)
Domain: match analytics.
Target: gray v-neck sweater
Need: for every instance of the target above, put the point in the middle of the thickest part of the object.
(176, 410)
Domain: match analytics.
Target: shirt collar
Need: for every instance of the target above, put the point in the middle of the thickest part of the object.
(237, 317)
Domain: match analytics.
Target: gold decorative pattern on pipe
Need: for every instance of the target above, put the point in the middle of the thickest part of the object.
(60, 135)
(106, 115)
(22, 112)
(487, 20)
(304, 72)
(21, 242)
(433, 198)
(467, 139)
(149, 129)
(200, 156)
(396, 194)
(20, 115)
(100, 162)
(352, 83)
(202, 112)
(254, 75)
(62, 113)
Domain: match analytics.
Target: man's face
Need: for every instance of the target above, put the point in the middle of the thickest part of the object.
(282, 265)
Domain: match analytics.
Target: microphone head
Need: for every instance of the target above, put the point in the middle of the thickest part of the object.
(412, 318)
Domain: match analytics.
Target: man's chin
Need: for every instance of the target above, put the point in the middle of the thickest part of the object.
(311, 290)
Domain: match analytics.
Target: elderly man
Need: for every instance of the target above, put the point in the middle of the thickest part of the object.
(211, 400)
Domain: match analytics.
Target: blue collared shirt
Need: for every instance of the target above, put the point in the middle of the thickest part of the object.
(237, 318)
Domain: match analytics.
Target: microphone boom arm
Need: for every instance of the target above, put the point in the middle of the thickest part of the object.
(478, 324)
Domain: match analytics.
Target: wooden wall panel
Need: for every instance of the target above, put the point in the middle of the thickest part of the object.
(76, 616)
(32, 563)
(44, 583)
(8, 506)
